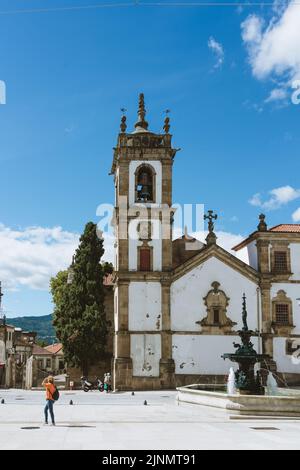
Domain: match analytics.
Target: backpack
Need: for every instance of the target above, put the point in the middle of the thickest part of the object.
(55, 394)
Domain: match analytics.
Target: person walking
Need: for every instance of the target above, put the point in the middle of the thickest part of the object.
(107, 382)
(48, 383)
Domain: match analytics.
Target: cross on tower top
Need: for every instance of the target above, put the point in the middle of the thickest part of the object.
(211, 237)
(210, 216)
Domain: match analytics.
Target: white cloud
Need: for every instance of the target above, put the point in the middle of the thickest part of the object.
(277, 94)
(224, 239)
(273, 46)
(296, 215)
(31, 256)
(279, 197)
(218, 51)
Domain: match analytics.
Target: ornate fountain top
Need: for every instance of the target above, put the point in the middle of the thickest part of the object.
(245, 314)
(246, 356)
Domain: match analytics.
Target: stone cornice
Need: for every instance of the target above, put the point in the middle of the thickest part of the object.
(122, 277)
(269, 237)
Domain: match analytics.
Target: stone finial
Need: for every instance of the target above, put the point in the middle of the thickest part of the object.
(211, 238)
(167, 125)
(141, 114)
(123, 125)
(262, 226)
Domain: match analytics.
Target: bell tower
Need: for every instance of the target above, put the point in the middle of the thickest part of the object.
(142, 170)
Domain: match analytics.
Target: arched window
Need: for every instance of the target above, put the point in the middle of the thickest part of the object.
(144, 184)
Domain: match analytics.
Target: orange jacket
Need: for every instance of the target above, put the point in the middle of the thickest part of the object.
(50, 389)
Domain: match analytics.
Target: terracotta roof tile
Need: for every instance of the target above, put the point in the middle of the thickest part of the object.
(39, 351)
(281, 228)
(54, 348)
(287, 228)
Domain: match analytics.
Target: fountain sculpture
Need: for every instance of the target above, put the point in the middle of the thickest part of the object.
(245, 380)
(244, 393)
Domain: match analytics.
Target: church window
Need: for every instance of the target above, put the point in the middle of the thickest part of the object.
(280, 262)
(145, 184)
(282, 314)
(145, 259)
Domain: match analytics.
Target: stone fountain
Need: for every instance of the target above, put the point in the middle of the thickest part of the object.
(245, 393)
(246, 357)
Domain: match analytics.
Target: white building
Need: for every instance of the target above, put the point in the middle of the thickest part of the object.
(178, 303)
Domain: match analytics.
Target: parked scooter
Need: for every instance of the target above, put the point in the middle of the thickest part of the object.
(86, 385)
(100, 385)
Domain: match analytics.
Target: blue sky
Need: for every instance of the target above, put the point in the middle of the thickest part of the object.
(68, 73)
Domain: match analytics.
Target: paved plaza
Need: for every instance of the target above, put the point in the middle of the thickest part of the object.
(122, 421)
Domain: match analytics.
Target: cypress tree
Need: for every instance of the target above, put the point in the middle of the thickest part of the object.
(79, 316)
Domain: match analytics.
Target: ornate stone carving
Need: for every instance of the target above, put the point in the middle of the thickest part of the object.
(216, 320)
(282, 314)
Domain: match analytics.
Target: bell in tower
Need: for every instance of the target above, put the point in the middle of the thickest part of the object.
(145, 185)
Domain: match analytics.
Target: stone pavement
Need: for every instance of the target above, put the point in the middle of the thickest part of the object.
(121, 421)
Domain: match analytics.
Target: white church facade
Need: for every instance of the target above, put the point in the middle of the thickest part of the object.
(178, 303)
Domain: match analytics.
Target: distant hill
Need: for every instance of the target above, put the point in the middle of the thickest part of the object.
(42, 325)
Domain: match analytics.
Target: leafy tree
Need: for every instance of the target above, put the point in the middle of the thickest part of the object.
(79, 317)
(42, 343)
(57, 286)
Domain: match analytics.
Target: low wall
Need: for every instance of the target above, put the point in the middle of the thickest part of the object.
(96, 370)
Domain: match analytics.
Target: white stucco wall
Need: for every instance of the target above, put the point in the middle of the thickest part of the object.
(201, 354)
(158, 179)
(295, 261)
(285, 363)
(252, 254)
(134, 243)
(293, 292)
(145, 354)
(144, 306)
(187, 305)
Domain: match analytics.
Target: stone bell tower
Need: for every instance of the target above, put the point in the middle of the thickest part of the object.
(142, 169)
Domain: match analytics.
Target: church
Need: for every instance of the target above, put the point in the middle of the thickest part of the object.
(178, 303)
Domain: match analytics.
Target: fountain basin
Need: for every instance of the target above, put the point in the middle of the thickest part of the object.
(286, 403)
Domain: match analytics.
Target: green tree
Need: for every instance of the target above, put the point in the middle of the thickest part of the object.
(57, 286)
(79, 316)
(42, 343)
